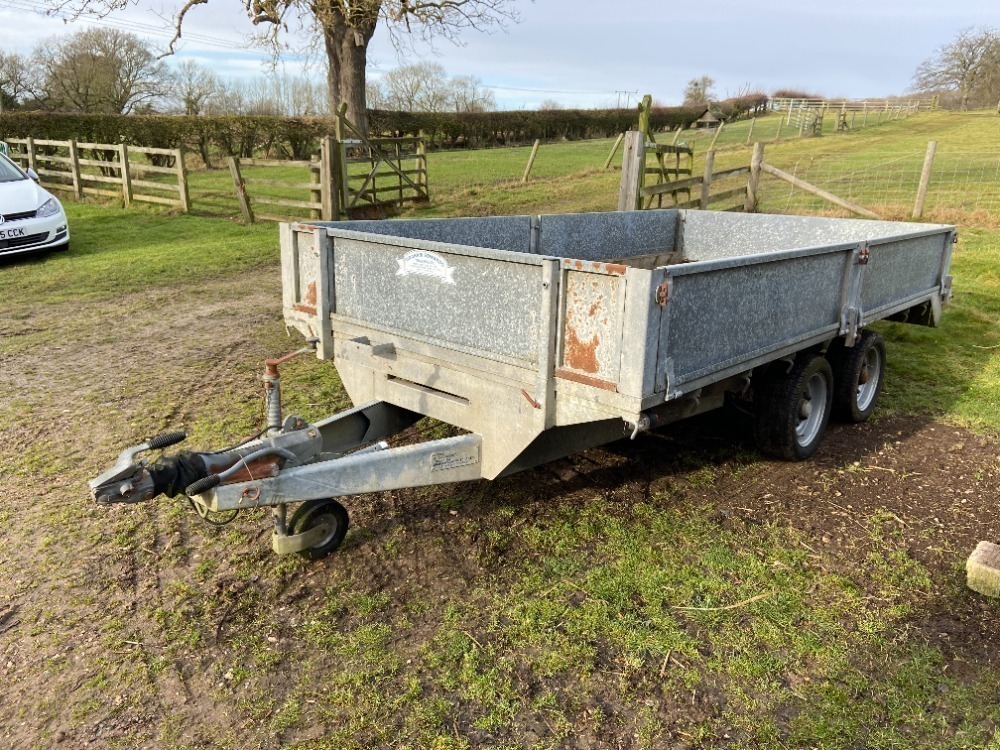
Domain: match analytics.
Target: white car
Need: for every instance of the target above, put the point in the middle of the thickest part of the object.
(31, 218)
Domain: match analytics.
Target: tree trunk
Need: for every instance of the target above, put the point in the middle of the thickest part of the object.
(347, 56)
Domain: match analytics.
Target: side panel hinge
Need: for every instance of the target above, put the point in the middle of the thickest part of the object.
(863, 254)
(663, 292)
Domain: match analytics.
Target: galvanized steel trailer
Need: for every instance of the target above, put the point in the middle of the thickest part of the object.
(540, 336)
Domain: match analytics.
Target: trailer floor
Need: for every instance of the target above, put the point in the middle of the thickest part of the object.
(678, 591)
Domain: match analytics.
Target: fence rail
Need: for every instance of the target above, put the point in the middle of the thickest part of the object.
(783, 104)
(85, 169)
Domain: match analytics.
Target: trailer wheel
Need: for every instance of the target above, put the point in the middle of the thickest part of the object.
(858, 373)
(792, 409)
(314, 512)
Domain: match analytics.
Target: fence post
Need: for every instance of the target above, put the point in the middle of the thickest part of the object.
(241, 189)
(750, 205)
(343, 178)
(644, 106)
(718, 132)
(781, 124)
(614, 150)
(329, 178)
(74, 165)
(422, 180)
(399, 167)
(316, 192)
(750, 134)
(706, 182)
(126, 175)
(925, 179)
(531, 161)
(633, 169)
(182, 180)
(29, 148)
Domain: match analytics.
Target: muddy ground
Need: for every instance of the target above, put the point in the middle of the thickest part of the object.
(91, 656)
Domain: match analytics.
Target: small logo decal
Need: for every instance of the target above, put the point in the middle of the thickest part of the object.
(425, 263)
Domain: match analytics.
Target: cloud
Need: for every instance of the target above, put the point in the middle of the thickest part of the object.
(586, 55)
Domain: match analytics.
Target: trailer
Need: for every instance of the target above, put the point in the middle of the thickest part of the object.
(540, 336)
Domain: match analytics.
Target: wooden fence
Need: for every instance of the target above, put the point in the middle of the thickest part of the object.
(107, 170)
(783, 104)
(251, 199)
(354, 177)
(807, 115)
(337, 188)
(635, 194)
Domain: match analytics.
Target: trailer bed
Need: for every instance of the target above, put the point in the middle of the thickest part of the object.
(511, 327)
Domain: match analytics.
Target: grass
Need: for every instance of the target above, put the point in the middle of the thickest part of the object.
(877, 166)
(953, 372)
(592, 615)
(116, 251)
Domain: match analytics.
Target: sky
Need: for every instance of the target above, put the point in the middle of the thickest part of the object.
(595, 53)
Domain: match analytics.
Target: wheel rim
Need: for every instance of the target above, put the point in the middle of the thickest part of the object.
(328, 520)
(812, 410)
(868, 378)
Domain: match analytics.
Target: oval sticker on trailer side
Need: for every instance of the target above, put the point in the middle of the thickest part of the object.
(426, 263)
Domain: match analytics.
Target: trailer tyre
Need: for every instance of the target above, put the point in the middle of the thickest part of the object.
(792, 409)
(858, 373)
(314, 512)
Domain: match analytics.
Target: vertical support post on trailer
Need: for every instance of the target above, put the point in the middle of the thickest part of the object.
(548, 340)
(324, 292)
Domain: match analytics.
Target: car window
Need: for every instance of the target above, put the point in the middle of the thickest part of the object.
(8, 172)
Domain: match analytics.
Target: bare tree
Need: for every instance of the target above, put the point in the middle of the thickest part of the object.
(101, 70)
(17, 80)
(375, 95)
(344, 29)
(230, 100)
(194, 87)
(468, 94)
(421, 87)
(549, 105)
(967, 64)
(699, 90)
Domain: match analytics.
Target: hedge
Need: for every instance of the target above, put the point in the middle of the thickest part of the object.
(246, 135)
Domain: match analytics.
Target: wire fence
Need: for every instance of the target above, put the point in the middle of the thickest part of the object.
(962, 184)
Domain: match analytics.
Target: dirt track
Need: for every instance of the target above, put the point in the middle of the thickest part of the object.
(96, 604)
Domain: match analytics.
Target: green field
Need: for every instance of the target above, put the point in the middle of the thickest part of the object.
(680, 591)
(877, 166)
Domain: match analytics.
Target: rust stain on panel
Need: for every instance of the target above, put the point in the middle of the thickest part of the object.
(595, 266)
(304, 309)
(311, 294)
(579, 354)
(576, 377)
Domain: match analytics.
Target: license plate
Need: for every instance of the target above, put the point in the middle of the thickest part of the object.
(9, 234)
